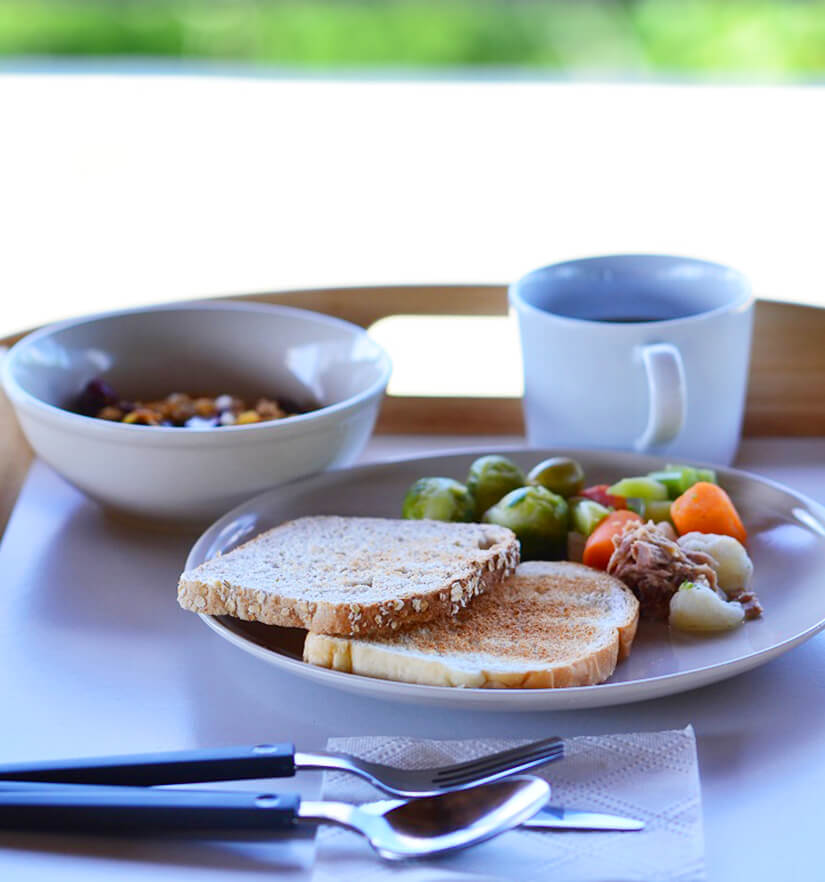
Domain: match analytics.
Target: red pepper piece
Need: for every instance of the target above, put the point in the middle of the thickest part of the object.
(598, 493)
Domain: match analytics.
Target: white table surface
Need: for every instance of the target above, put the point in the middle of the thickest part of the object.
(96, 657)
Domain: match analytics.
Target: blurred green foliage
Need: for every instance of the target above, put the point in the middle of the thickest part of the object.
(572, 36)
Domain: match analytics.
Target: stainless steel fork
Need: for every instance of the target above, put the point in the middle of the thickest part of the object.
(283, 761)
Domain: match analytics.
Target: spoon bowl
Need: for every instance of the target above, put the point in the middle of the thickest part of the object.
(399, 829)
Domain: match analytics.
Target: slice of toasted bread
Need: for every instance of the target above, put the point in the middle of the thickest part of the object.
(352, 576)
(549, 625)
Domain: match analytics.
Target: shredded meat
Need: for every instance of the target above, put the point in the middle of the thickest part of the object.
(653, 566)
(750, 602)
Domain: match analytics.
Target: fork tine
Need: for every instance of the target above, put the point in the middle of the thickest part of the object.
(503, 755)
(529, 754)
(495, 772)
(512, 753)
(525, 762)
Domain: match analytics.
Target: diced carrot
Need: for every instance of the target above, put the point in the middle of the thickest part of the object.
(706, 508)
(599, 546)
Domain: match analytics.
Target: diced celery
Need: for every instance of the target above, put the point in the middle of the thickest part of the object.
(638, 505)
(639, 488)
(658, 510)
(672, 480)
(586, 515)
(678, 478)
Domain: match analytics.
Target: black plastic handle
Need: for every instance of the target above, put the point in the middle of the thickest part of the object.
(139, 810)
(174, 767)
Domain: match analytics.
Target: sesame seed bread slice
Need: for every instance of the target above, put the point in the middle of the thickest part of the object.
(552, 624)
(352, 576)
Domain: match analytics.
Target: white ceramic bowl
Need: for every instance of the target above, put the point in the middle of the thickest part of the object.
(245, 349)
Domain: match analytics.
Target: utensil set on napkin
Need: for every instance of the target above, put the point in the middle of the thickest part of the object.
(444, 807)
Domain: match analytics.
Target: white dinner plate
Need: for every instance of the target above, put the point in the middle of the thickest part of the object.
(786, 540)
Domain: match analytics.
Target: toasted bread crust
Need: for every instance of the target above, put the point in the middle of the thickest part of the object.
(552, 625)
(627, 634)
(208, 590)
(351, 657)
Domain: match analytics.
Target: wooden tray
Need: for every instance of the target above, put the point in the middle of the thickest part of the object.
(784, 393)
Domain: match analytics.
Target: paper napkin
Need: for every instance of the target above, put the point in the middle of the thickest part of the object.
(652, 776)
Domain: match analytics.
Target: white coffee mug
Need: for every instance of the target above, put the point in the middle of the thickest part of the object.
(635, 352)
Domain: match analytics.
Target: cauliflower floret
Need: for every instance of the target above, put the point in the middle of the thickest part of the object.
(734, 568)
(697, 607)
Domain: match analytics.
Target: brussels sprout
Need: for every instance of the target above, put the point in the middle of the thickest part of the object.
(490, 478)
(538, 517)
(440, 499)
(586, 515)
(639, 488)
(558, 474)
(678, 478)
(575, 546)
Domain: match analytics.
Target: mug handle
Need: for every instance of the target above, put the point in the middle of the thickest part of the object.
(665, 372)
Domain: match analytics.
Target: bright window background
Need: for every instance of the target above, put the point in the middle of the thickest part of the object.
(161, 150)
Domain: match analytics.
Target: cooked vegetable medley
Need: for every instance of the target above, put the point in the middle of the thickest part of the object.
(673, 536)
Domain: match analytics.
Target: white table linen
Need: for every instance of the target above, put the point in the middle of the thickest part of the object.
(96, 657)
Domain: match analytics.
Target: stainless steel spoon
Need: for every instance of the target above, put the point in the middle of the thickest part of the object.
(396, 828)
